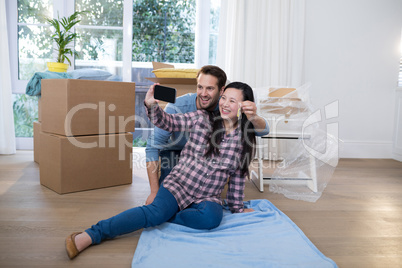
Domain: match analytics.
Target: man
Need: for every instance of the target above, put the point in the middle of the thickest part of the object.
(211, 81)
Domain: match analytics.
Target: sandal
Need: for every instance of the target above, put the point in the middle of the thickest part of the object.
(71, 247)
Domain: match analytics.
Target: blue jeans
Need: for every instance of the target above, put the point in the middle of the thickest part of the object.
(204, 215)
(168, 160)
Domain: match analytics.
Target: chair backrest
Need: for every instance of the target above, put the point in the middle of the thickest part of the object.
(282, 92)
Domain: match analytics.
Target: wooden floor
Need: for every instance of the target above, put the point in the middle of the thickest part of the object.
(357, 222)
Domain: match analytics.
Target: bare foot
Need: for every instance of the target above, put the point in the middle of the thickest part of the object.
(82, 241)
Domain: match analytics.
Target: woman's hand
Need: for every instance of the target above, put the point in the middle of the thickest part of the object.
(149, 97)
(249, 108)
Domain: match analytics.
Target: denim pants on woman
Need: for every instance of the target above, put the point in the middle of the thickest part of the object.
(204, 215)
(169, 159)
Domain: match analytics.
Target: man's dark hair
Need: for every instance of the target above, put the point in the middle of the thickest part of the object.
(214, 71)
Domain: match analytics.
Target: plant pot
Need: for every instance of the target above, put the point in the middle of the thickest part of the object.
(57, 67)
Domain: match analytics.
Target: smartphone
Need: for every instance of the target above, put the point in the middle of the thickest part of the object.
(163, 93)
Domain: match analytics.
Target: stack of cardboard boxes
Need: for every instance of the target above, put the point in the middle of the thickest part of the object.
(83, 139)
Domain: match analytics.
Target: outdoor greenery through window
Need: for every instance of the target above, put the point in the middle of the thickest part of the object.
(35, 49)
(163, 31)
(101, 36)
(25, 114)
(35, 46)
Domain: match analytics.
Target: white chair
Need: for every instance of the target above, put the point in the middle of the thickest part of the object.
(258, 177)
(285, 112)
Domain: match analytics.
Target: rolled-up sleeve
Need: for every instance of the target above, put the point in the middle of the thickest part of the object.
(235, 193)
(265, 131)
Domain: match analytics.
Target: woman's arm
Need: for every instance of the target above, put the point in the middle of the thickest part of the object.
(169, 122)
(235, 193)
(261, 126)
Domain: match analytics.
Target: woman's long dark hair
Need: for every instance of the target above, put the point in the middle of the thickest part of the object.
(246, 128)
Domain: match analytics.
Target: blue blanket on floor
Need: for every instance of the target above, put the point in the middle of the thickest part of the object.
(264, 238)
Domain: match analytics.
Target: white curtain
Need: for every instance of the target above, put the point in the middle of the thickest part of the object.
(261, 42)
(7, 132)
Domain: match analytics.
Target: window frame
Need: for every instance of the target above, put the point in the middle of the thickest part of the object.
(66, 7)
(17, 86)
(60, 7)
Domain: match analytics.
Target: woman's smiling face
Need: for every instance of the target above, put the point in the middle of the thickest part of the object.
(229, 104)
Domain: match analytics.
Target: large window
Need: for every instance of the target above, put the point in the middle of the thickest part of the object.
(152, 30)
(34, 44)
(34, 50)
(101, 36)
(163, 32)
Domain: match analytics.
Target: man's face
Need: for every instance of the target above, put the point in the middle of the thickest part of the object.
(208, 92)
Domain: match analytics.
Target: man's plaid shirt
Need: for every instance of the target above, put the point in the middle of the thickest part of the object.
(197, 178)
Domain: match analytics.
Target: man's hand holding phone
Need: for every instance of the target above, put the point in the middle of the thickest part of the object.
(149, 97)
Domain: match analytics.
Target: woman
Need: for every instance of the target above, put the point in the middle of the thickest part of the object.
(220, 146)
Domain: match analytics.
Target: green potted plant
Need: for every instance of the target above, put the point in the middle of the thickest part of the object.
(63, 37)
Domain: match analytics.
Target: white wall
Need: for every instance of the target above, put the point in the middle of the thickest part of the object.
(352, 52)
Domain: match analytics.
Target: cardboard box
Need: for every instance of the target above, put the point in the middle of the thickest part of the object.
(182, 85)
(74, 107)
(71, 164)
(36, 136)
